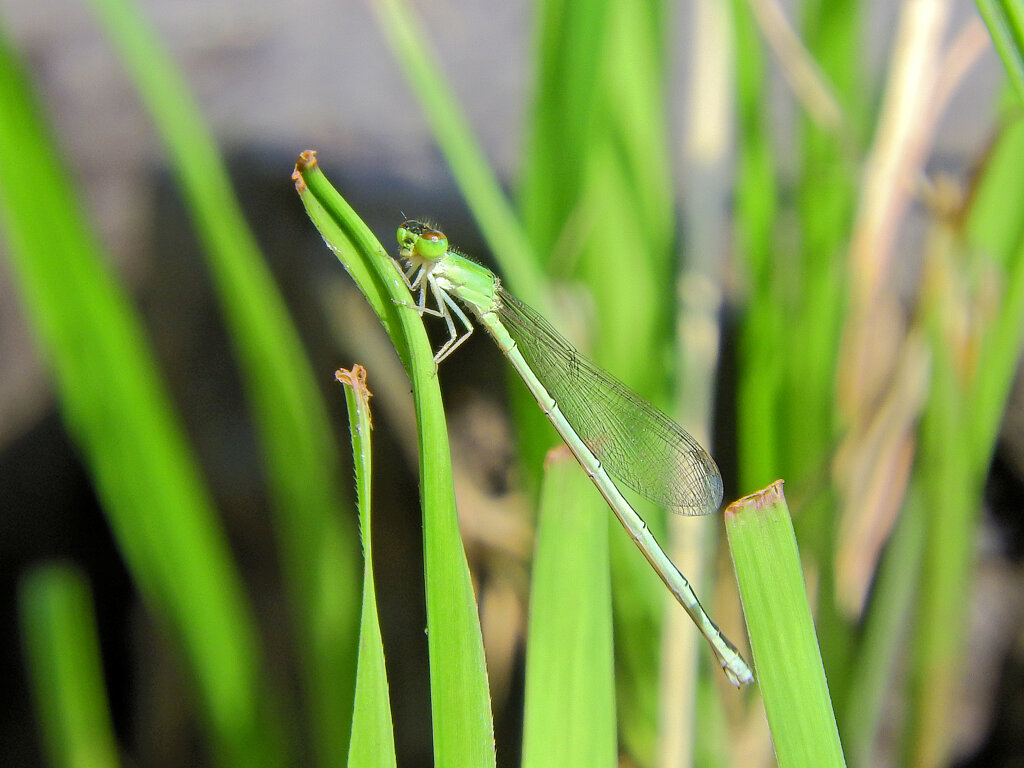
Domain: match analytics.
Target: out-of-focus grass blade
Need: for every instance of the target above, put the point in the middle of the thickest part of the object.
(950, 492)
(569, 717)
(786, 656)
(999, 236)
(301, 458)
(970, 386)
(63, 656)
(626, 182)
(884, 635)
(762, 372)
(639, 597)
(799, 303)
(1005, 20)
(505, 236)
(816, 282)
(117, 410)
(463, 731)
(372, 744)
(570, 52)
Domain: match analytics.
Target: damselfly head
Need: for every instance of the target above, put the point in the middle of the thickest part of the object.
(421, 243)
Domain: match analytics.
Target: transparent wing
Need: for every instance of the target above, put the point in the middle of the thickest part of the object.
(635, 441)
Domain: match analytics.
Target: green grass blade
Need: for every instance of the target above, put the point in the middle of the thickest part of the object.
(989, 229)
(762, 371)
(817, 281)
(119, 414)
(505, 236)
(372, 744)
(884, 634)
(62, 646)
(1000, 237)
(463, 731)
(971, 382)
(785, 649)
(301, 458)
(598, 153)
(949, 491)
(626, 182)
(807, 305)
(570, 57)
(569, 717)
(1005, 21)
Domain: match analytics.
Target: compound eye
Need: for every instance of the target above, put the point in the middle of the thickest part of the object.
(432, 244)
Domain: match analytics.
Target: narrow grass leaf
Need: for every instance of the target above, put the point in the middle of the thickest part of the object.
(569, 718)
(950, 490)
(505, 235)
(757, 212)
(62, 647)
(570, 52)
(973, 372)
(463, 730)
(372, 744)
(1005, 21)
(893, 596)
(782, 639)
(118, 412)
(622, 225)
(319, 553)
(999, 239)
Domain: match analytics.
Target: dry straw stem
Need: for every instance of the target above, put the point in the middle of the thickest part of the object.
(802, 72)
(892, 168)
(882, 372)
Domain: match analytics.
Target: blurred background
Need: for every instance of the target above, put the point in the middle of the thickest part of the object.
(799, 228)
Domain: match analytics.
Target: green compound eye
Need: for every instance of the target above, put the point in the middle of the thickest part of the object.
(432, 244)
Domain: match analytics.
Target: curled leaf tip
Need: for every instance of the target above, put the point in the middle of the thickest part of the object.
(306, 162)
(356, 379)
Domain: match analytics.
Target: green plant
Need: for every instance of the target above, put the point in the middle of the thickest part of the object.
(880, 412)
